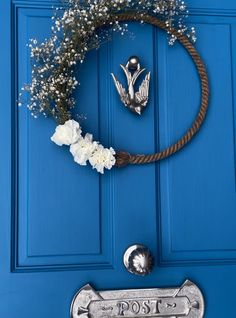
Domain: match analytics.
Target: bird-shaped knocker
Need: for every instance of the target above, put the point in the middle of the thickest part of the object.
(135, 101)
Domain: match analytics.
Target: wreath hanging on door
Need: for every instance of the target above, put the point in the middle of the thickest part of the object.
(84, 26)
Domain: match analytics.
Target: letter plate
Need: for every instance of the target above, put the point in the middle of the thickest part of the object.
(186, 301)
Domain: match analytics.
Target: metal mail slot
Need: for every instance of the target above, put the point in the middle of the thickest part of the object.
(186, 301)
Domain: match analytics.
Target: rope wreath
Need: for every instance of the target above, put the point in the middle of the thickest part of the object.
(124, 158)
(53, 83)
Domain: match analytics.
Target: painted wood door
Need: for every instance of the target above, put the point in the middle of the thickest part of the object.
(62, 225)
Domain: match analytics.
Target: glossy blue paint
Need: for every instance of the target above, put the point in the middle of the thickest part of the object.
(62, 225)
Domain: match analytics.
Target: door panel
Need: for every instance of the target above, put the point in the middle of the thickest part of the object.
(198, 184)
(47, 184)
(62, 225)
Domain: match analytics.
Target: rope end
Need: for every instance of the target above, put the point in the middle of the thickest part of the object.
(122, 158)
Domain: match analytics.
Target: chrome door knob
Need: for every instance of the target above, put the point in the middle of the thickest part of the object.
(138, 260)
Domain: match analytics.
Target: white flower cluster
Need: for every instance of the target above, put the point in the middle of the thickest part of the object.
(84, 149)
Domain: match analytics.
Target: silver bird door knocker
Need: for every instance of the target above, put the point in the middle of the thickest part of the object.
(134, 101)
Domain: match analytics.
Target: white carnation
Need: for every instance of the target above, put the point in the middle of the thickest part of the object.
(83, 149)
(67, 134)
(102, 158)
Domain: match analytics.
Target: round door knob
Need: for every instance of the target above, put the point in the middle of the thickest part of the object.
(138, 260)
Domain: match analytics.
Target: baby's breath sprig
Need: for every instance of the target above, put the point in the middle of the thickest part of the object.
(85, 25)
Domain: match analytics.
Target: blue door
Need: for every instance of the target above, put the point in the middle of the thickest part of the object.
(63, 226)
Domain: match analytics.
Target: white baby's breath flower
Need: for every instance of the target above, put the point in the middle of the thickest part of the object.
(102, 158)
(67, 134)
(83, 149)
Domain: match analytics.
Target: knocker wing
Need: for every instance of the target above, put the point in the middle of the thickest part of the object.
(121, 90)
(141, 96)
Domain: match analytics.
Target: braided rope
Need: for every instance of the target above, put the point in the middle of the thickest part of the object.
(124, 158)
